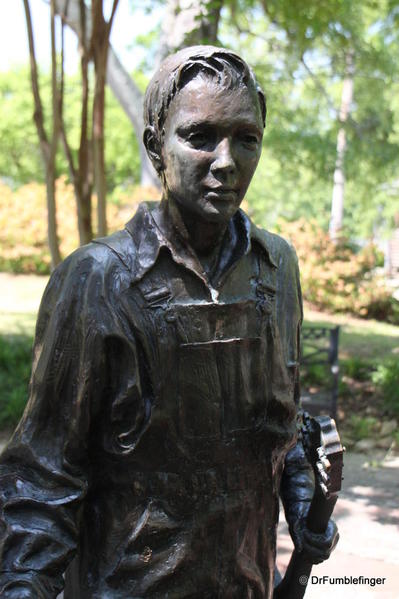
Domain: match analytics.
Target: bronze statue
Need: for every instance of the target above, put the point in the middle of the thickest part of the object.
(163, 399)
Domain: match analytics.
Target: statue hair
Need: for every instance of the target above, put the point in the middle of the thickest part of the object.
(226, 67)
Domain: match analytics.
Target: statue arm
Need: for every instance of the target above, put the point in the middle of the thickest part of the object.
(297, 484)
(297, 488)
(44, 470)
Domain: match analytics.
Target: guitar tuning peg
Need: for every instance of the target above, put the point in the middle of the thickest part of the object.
(325, 490)
(322, 473)
(326, 464)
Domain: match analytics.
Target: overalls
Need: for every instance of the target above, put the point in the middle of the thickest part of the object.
(201, 481)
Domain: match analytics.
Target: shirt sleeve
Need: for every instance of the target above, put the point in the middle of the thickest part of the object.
(297, 484)
(45, 469)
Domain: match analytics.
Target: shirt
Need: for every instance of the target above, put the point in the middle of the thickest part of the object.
(162, 404)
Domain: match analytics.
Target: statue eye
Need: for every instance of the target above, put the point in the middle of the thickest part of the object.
(200, 138)
(250, 140)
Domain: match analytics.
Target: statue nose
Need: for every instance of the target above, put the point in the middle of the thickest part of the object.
(224, 159)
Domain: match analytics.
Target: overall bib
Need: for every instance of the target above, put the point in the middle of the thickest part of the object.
(207, 469)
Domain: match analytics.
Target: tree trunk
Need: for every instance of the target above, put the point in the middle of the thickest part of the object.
(52, 236)
(337, 204)
(131, 100)
(98, 147)
(80, 174)
(50, 170)
(123, 87)
(187, 23)
(99, 45)
(48, 149)
(83, 193)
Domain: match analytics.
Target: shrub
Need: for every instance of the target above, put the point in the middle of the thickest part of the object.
(386, 378)
(357, 368)
(23, 222)
(338, 278)
(314, 374)
(362, 427)
(15, 367)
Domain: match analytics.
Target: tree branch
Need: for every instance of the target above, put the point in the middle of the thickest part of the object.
(114, 7)
(67, 148)
(84, 60)
(38, 113)
(319, 85)
(54, 85)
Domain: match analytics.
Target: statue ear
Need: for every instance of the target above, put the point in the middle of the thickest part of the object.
(153, 147)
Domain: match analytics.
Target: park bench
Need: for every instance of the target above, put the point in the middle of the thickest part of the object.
(319, 369)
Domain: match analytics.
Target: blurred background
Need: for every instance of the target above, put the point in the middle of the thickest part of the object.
(72, 167)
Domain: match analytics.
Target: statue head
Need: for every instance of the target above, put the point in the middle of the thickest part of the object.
(204, 115)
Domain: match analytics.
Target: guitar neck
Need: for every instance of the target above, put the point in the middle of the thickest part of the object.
(300, 567)
(320, 511)
(324, 452)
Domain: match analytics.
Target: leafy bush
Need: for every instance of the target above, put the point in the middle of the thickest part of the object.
(386, 377)
(357, 368)
(23, 222)
(362, 426)
(338, 278)
(314, 374)
(15, 367)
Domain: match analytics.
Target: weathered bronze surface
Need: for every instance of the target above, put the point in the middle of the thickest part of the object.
(164, 391)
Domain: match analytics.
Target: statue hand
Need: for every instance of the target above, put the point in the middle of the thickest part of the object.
(316, 547)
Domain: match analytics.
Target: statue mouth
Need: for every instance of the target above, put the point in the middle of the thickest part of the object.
(221, 193)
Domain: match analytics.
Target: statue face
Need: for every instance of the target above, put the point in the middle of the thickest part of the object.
(211, 147)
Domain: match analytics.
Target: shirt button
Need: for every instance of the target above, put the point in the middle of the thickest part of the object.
(170, 317)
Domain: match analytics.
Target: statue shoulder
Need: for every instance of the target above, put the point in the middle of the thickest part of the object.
(103, 253)
(100, 262)
(281, 251)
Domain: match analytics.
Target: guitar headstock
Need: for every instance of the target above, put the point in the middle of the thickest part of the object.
(324, 451)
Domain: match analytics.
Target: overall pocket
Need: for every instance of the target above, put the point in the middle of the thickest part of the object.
(222, 387)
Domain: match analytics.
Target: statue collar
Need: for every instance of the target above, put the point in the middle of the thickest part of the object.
(151, 230)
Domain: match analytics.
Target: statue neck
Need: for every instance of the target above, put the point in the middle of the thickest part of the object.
(204, 237)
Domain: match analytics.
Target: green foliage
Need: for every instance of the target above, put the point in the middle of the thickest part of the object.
(386, 377)
(298, 52)
(315, 375)
(357, 368)
(26, 263)
(362, 427)
(15, 367)
(122, 162)
(122, 159)
(20, 157)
